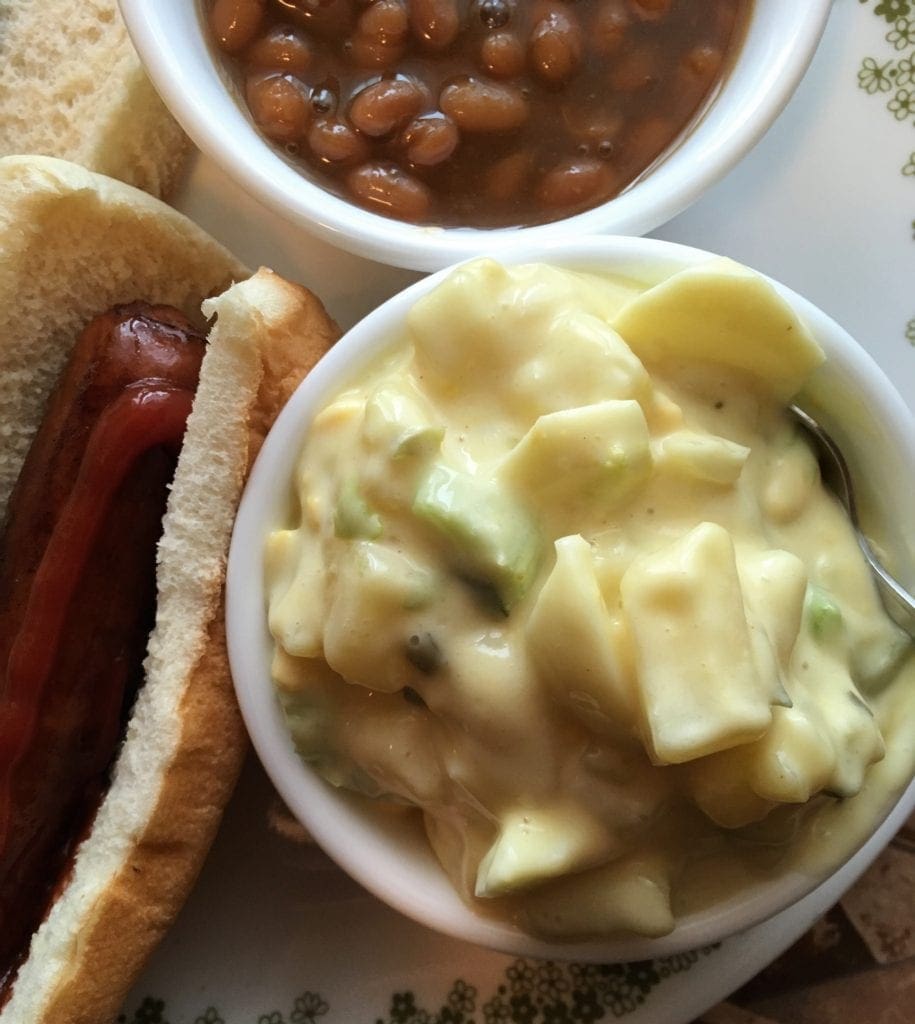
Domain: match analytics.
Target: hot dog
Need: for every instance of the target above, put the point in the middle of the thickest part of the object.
(77, 587)
(101, 836)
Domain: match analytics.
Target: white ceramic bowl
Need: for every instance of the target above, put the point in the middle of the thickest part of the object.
(395, 862)
(171, 39)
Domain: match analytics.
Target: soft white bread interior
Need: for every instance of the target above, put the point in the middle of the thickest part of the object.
(185, 740)
(72, 86)
(73, 243)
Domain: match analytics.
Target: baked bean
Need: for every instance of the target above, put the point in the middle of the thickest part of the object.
(337, 143)
(555, 47)
(279, 105)
(703, 62)
(697, 71)
(435, 23)
(387, 189)
(609, 27)
(592, 122)
(235, 23)
(380, 108)
(370, 52)
(651, 10)
(648, 139)
(484, 113)
(331, 19)
(430, 140)
(283, 48)
(576, 183)
(635, 70)
(508, 177)
(381, 35)
(385, 20)
(502, 55)
(476, 105)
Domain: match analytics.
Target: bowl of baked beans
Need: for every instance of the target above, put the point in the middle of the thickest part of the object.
(420, 132)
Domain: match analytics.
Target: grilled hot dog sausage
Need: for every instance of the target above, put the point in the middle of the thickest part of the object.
(77, 591)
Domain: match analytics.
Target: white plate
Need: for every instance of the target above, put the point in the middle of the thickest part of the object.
(274, 933)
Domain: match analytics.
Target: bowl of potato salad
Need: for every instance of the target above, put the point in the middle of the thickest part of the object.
(542, 620)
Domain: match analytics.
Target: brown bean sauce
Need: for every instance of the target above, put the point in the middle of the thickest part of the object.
(480, 113)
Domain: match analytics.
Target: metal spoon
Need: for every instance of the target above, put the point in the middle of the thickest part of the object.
(899, 603)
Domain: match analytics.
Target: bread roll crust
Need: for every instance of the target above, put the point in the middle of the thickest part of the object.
(72, 86)
(135, 908)
(185, 740)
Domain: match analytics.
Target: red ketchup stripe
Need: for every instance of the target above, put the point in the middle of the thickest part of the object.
(143, 416)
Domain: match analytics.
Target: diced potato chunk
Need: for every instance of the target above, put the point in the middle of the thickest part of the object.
(794, 760)
(822, 745)
(792, 477)
(721, 312)
(774, 584)
(590, 457)
(295, 571)
(856, 737)
(699, 681)
(398, 426)
(790, 764)
(720, 786)
(631, 895)
(343, 414)
(536, 844)
(705, 457)
(374, 591)
(400, 435)
(393, 750)
(573, 644)
(541, 332)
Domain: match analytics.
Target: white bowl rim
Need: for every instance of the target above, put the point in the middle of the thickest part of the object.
(650, 202)
(312, 800)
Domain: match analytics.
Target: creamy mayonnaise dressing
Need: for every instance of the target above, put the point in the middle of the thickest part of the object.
(561, 572)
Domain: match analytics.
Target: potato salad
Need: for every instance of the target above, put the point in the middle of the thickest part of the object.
(560, 572)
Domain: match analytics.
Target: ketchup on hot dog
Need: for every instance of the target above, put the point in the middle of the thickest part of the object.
(77, 591)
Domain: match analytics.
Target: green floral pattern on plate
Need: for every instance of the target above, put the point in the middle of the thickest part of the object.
(894, 78)
(531, 992)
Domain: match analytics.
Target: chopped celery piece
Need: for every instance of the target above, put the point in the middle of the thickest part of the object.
(824, 616)
(353, 516)
(491, 537)
(590, 457)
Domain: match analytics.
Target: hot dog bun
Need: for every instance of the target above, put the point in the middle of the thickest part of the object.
(72, 86)
(72, 244)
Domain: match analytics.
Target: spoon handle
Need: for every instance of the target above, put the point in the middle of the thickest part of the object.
(898, 602)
